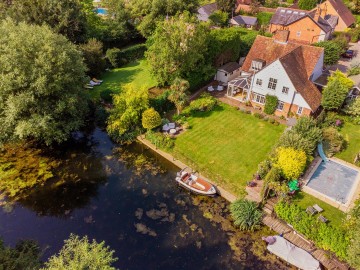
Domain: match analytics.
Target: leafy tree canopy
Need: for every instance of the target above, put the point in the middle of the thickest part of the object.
(341, 77)
(353, 108)
(177, 48)
(332, 51)
(226, 5)
(291, 162)
(178, 93)
(66, 17)
(219, 18)
(307, 4)
(335, 93)
(42, 76)
(149, 12)
(79, 253)
(25, 255)
(125, 117)
(93, 56)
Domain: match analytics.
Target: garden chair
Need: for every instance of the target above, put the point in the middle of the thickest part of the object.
(323, 219)
(171, 125)
(210, 89)
(311, 210)
(318, 208)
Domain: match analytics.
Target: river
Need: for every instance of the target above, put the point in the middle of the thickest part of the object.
(127, 197)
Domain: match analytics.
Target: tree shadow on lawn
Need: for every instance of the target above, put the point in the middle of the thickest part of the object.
(114, 82)
(199, 114)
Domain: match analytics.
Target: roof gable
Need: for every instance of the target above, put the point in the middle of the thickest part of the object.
(298, 60)
(343, 12)
(245, 20)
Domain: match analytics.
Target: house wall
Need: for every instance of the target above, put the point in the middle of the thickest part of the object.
(310, 32)
(341, 26)
(292, 100)
(318, 70)
(221, 77)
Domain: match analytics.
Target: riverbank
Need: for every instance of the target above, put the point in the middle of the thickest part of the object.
(221, 191)
(279, 226)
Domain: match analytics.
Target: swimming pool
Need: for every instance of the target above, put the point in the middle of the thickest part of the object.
(101, 11)
(334, 180)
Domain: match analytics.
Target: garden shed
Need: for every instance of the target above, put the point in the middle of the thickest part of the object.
(227, 72)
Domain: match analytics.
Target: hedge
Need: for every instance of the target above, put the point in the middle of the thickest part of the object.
(119, 57)
(324, 235)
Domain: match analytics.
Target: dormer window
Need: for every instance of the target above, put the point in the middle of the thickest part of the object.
(257, 64)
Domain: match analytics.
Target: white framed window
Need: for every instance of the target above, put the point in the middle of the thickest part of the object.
(259, 82)
(285, 90)
(298, 33)
(280, 106)
(272, 83)
(299, 111)
(259, 98)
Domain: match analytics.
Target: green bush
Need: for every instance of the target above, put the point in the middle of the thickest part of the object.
(333, 141)
(263, 168)
(106, 95)
(276, 123)
(204, 103)
(264, 18)
(160, 140)
(113, 56)
(270, 104)
(273, 175)
(271, 120)
(246, 214)
(151, 119)
(324, 235)
(161, 103)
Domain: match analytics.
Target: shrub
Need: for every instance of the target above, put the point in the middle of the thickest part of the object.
(332, 51)
(257, 115)
(106, 95)
(307, 128)
(272, 120)
(161, 103)
(270, 104)
(274, 175)
(263, 168)
(93, 57)
(333, 141)
(246, 214)
(204, 103)
(264, 18)
(276, 123)
(151, 119)
(353, 108)
(325, 236)
(81, 254)
(160, 140)
(296, 141)
(266, 118)
(113, 56)
(291, 162)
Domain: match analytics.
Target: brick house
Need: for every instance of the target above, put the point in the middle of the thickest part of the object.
(338, 11)
(304, 26)
(277, 66)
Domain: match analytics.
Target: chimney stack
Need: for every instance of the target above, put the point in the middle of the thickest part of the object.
(282, 36)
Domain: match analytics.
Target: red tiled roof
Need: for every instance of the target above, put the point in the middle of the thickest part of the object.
(298, 60)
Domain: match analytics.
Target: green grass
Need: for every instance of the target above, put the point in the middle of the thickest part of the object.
(334, 215)
(351, 133)
(137, 73)
(227, 145)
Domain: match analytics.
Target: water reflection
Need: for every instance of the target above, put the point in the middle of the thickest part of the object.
(123, 196)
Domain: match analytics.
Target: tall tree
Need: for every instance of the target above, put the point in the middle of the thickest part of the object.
(125, 118)
(94, 57)
(226, 5)
(178, 94)
(41, 76)
(332, 51)
(147, 13)
(177, 48)
(66, 17)
(79, 253)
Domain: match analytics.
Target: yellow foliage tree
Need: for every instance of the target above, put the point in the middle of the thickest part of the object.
(290, 161)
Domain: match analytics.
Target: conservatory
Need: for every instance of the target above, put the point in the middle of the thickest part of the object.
(239, 88)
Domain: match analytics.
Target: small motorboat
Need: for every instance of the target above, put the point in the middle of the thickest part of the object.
(195, 184)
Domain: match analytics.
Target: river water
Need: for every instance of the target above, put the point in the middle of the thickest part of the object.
(128, 198)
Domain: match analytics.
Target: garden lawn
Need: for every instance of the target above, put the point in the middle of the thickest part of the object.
(351, 133)
(334, 215)
(137, 73)
(227, 145)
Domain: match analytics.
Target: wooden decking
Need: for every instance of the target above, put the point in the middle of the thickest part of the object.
(324, 257)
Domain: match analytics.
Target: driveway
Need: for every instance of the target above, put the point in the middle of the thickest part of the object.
(344, 63)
